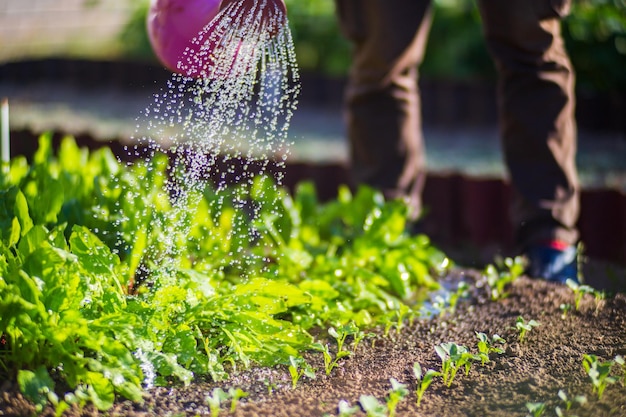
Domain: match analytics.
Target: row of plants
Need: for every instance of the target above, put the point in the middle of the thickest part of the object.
(91, 309)
(595, 34)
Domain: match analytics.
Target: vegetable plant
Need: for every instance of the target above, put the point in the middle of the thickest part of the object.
(536, 409)
(599, 372)
(116, 282)
(454, 357)
(423, 380)
(487, 345)
(297, 368)
(579, 291)
(397, 393)
(215, 400)
(580, 399)
(499, 276)
(372, 406)
(524, 327)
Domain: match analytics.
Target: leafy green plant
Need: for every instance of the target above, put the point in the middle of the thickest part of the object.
(565, 308)
(599, 373)
(536, 409)
(423, 380)
(454, 357)
(235, 395)
(502, 274)
(579, 291)
(487, 345)
(345, 409)
(523, 327)
(215, 400)
(372, 406)
(569, 402)
(104, 271)
(397, 393)
(297, 368)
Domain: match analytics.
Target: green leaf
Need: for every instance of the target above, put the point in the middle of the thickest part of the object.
(37, 386)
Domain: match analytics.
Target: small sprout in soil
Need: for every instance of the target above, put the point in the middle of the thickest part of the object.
(372, 407)
(297, 368)
(271, 386)
(235, 395)
(498, 278)
(599, 373)
(535, 409)
(215, 400)
(524, 327)
(580, 399)
(565, 308)
(579, 291)
(487, 346)
(397, 393)
(423, 380)
(454, 357)
(345, 409)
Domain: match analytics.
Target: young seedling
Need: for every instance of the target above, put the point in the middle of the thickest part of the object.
(579, 291)
(524, 327)
(565, 308)
(599, 373)
(423, 380)
(454, 357)
(235, 395)
(580, 399)
(346, 410)
(372, 407)
(297, 368)
(536, 409)
(499, 279)
(487, 346)
(329, 362)
(397, 393)
(215, 400)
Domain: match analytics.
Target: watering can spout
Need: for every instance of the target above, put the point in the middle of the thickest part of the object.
(174, 24)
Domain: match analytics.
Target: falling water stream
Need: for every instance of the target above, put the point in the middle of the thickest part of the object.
(235, 110)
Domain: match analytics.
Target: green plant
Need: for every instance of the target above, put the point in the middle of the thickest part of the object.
(345, 409)
(599, 372)
(215, 400)
(297, 368)
(565, 308)
(502, 274)
(423, 380)
(397, 393)
(486, 346)
(579, 291)
(536, 409)
(372, 407)
(524, 327)
(235, 395)
(454, 357)
(579, 399)
(113, 283)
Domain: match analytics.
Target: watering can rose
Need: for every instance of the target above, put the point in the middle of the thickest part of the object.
(179, 29)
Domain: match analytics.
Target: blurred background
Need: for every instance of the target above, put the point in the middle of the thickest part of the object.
(85, 67)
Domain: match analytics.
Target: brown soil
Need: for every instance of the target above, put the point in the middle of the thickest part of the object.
(547, 361)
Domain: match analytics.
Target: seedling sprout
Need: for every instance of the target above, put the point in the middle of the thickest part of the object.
(524, 327)
(423, 380)
(599, 373)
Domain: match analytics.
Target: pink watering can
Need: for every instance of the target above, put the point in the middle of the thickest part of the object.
(173, 24)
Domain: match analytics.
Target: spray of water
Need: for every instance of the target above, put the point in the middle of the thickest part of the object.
(236, 112)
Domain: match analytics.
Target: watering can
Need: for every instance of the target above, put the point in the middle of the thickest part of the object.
(173, 24)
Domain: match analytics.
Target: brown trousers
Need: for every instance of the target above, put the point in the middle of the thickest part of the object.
(536, 105)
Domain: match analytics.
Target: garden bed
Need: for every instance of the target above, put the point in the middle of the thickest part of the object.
(533, 371)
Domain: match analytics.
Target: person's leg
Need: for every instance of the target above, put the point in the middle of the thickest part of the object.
(382, 99)
(536, 94)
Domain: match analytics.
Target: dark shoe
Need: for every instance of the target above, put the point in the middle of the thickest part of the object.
(553, 261)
